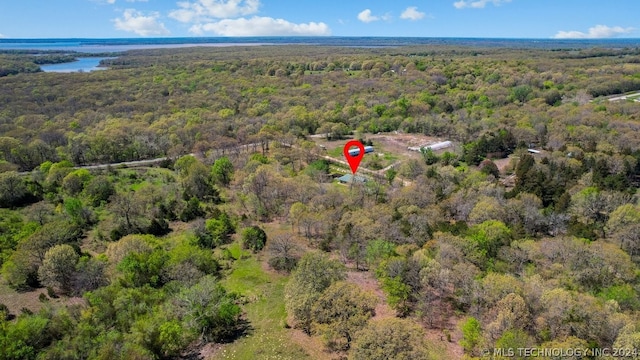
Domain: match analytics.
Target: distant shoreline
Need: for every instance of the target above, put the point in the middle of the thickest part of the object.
(124, 44)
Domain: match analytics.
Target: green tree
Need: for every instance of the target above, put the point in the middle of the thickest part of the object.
(340, 312)
(521, 93)
(99, 189)
(172, 339)
(253, 238)
(22, 268)
(588, 205)
(222, 171)
(429, 156)
(191, 210)
(489, 236)
(398, 294)
(378, 250)
(220, 230)
(514, 339)
(488, 167)
(143, 268)
(183, 164)
(390, 175)
(197, 183)
(398, 339)
(296, 213)
(23, 339)
(512, 314)
(75, 181)
(629, 340)
(471, 334)
(623, 228)
(207, 309)
(58, 268)
(13, 190)
(80, 214)
(314, 274)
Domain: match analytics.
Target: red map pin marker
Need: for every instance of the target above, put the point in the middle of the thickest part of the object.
(353, 156)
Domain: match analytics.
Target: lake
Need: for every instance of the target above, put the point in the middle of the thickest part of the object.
(83, 65)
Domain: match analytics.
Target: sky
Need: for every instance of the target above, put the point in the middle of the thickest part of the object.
(543, 19)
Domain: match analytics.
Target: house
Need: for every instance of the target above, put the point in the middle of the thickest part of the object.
(348, 178)
(356, 151)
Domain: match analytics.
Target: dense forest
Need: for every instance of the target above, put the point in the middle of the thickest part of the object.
(237, 242)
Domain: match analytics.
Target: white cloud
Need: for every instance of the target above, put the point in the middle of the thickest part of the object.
(412, 13)
(478, 4)
(203, 10)
(366, 17)
(596, 32)
(136, 22)
(261, 26)
(111, 1)
(2, 36)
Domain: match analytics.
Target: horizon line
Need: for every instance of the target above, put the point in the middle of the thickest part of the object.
(317, 37)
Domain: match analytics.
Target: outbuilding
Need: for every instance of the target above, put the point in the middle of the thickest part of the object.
(437, 146)
(356, 151)
(348, 178)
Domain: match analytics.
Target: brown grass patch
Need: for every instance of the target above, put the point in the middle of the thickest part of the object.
(438, 337)
(365, 281)
(16, 301)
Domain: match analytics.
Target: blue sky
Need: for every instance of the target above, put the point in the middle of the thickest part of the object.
(421, 18)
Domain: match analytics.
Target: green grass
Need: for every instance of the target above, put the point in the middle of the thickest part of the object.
(246, 278)
(236, 250)
(136, 179)
(265, 310)
(390, 157)
(336, 152)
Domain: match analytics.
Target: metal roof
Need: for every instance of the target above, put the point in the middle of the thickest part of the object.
(347, 178)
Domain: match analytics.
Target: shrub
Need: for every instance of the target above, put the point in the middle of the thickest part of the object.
(254, 238)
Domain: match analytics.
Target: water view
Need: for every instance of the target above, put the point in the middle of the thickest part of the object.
(81, 65)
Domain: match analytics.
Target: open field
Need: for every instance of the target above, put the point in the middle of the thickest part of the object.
(391, 149)
(393, 144)
(264, 309)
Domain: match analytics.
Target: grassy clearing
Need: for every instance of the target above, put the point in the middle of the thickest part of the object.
(336, 152)
(381, 158)
(265, 310)
(237, 252)
(136, 179)
(16, 301)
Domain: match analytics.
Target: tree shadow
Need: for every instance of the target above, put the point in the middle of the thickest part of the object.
(242, 328)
